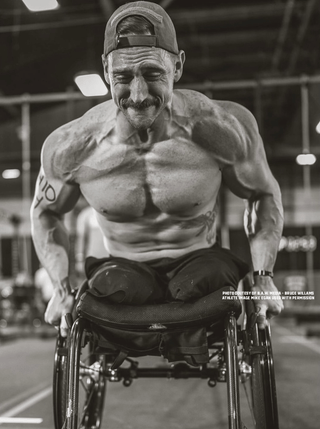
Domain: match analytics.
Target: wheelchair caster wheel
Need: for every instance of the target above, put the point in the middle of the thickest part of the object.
(212, 383)
(127, 382)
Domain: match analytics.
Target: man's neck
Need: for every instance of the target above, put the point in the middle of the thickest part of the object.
(155, 133)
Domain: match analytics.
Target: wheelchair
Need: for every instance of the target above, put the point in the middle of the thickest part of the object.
(97, 351)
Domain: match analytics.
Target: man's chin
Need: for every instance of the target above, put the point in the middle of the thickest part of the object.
(141, 119)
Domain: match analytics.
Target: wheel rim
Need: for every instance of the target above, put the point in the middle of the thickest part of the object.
(60, 382)
(260, 388)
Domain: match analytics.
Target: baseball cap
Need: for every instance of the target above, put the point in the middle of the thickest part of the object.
(164, 32)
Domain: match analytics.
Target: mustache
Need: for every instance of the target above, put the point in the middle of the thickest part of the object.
(127, 103)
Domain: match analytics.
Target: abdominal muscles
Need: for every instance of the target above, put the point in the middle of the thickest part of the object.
(162, 236)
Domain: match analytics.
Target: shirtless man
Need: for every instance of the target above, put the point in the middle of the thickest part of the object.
(150, 162)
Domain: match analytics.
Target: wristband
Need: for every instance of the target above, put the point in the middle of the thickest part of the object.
(263, 273)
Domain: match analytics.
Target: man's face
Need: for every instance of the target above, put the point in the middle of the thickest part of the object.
(141, 81)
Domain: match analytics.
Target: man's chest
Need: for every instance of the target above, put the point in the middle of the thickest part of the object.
(171, 176)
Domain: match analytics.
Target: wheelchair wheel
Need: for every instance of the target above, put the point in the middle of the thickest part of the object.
(260, 386)
(79, 384)
(60, 382)
(86, 382)
(263, 383)
(254, 406)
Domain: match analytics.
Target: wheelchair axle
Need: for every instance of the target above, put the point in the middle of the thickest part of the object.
(178, 370)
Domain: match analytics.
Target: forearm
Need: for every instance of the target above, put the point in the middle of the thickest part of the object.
(264, 224)
(51, 242)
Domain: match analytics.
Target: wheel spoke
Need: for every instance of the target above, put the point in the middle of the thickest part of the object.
(83, 385)
(249, 402)
(87, 402)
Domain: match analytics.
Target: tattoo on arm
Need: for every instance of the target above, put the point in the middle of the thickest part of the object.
(47, 191)
(205, 222)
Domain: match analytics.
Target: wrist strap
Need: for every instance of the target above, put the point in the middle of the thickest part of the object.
(263, 273)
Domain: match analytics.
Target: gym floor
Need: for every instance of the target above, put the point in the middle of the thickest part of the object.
(26, 400)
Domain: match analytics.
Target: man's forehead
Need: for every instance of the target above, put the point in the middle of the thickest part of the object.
(135, 56)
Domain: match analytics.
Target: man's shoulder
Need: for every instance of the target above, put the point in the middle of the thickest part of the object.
(94, 120)
(73, 141)
(187, 102)
(200, 107)
(224, 128)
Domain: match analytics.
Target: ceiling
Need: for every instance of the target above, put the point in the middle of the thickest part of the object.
(238, 42)
(224, 40)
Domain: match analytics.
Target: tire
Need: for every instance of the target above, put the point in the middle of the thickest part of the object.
(270, 393)
(260, 387)
(86, 383)
(91, 387)
(60, 382)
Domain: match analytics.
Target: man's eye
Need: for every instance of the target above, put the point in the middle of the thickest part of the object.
(123, 78)
(152, 75)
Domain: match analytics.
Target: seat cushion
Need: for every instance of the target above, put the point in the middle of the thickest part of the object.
(160, 317)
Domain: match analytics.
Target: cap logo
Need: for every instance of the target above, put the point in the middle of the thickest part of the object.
(139, 10)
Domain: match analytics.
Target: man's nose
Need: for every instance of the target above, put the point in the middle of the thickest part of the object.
(138, 90)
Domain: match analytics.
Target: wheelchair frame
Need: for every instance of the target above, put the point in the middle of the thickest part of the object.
(255, 367)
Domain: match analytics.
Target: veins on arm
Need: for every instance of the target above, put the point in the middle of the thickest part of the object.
(65, 288)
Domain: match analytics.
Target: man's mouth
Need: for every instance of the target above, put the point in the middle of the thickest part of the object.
(139, 106)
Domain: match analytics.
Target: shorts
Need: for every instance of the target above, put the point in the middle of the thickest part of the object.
(186, 278)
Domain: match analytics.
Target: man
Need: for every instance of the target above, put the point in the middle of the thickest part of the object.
(44, 285)
(89, 240)
(150, 162)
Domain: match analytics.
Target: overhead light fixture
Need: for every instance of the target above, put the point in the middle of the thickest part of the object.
(41, 5)
(306, 159)
(11, 173)
(318, 128)
(91, 84)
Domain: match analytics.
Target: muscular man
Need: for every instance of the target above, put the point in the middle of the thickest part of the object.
(150, 162)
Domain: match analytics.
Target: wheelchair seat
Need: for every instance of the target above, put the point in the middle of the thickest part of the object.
(175, 330)
(176, 314)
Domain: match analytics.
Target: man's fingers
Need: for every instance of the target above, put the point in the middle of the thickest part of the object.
(261, 321)
(262, 316)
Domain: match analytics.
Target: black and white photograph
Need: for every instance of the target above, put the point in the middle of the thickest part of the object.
(159, 214)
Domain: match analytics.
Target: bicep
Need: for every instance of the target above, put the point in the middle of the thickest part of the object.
(249, 176)
(54, 195)
(253, 181)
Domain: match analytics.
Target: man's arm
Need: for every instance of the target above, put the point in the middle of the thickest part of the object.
(249, 177)
(52, 199)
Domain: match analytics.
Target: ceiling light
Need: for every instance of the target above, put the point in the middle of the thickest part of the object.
(11, 173)
(37, 6)
(91, 84)
(306, 159)
(318, 128)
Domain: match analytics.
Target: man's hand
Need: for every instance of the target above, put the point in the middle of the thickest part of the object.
(59, 305)
(266, 307)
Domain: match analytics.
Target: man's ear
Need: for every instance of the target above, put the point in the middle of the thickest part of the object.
(179, 62)
(105, 68)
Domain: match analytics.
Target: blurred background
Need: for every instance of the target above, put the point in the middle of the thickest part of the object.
(263, 54)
